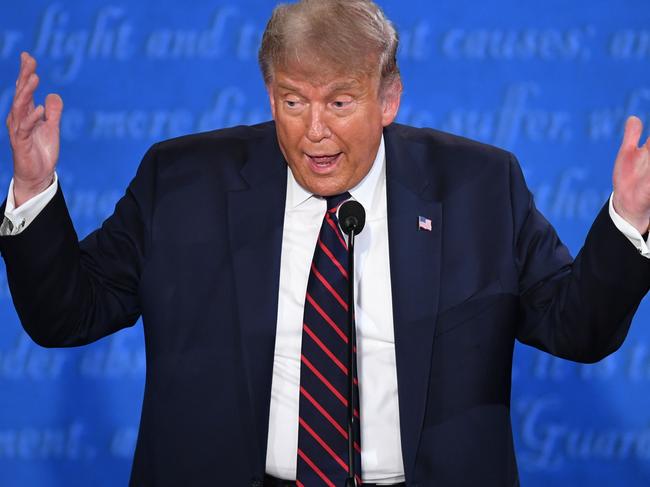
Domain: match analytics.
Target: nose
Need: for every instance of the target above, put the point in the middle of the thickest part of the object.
(317, 128)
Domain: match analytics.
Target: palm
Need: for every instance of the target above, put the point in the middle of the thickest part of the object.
(632, 177)
(41, 151)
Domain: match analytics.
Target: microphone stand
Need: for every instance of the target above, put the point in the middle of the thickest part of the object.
(352, 218)
(351, 481)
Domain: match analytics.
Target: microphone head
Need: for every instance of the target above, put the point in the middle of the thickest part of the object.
(352, 217)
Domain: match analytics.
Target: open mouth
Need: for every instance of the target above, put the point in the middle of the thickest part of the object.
(323, 162)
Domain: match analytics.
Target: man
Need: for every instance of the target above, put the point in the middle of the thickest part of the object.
(213, 244)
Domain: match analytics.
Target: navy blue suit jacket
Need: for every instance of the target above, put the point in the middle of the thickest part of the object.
(194, 248)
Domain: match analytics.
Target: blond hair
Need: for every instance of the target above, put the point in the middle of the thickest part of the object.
(330, 36)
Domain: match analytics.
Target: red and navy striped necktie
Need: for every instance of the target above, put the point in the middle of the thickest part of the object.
(322, 434)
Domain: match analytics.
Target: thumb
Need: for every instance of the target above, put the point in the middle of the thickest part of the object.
(633, 130)
(53, 109)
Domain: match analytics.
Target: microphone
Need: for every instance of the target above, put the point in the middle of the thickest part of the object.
(352, 218)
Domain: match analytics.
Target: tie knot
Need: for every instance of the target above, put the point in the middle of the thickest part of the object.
(335, 200)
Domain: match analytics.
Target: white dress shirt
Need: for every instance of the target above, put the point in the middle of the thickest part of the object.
(17, 219)
(380, 432)
(381, 451)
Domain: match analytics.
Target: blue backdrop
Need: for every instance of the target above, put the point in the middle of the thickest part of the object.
(552, 81)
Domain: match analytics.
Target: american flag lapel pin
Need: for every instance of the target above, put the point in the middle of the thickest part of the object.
(424, 223)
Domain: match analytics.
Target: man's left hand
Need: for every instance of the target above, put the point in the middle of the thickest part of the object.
(632, 177)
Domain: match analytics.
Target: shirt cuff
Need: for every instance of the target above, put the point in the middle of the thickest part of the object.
(629, 231)
(18, 219)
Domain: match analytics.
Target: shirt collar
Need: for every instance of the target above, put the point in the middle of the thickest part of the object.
(364, 192)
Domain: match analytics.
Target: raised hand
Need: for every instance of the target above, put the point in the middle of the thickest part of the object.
(632, 177)
(34, 134)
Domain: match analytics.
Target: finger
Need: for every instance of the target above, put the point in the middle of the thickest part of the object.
(633, 130)
(27, 85)
(22, 104)
(21, 70)
(27, 67)
(24, 101)
(27, 125)
(53, 109)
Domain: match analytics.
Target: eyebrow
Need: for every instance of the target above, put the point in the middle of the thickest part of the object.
(333, 89)
(338, 86)
(282, 86)
(344, 85)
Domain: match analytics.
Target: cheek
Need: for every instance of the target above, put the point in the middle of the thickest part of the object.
(291, 132)
(360, 138)
(348, 128)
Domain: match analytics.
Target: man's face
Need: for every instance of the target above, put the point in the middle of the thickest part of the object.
(329, 132)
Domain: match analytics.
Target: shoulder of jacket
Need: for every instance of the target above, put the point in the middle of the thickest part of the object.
(445, 143)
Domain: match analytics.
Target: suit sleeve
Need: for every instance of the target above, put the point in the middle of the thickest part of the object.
(69, 293)
(581, 309)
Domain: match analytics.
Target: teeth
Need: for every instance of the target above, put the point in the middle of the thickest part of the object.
(323, 160)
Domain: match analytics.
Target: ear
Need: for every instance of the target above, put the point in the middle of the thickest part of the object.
(391, 98)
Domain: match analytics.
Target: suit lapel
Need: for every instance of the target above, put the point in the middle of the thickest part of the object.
(255, 220)
(415, 279)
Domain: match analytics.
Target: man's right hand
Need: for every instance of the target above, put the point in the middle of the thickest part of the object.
(34, 134)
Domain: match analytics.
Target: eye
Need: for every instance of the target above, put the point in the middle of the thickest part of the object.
(291, 103)
(341, 103)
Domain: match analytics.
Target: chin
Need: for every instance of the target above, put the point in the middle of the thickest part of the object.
(324, 189)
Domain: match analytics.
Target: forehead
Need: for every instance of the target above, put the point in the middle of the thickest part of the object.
(297, 80)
